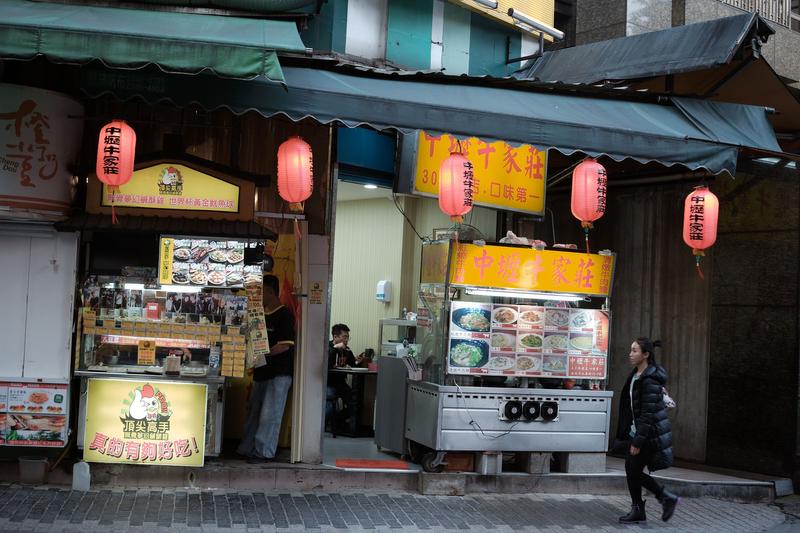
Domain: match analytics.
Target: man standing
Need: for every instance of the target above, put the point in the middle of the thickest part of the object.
(271, 382)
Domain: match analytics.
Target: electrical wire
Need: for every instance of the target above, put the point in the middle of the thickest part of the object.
(472, 422)
(397, 205)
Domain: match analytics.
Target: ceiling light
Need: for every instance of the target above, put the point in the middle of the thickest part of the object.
(180, 288)
(500, 293)
(491, 4)
(370, 186)
(533, 23)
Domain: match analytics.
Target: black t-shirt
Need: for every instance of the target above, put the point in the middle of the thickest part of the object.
(345, 357)
(280, 330)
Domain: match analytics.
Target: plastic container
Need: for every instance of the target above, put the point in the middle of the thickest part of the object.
(32, 470)
(81, 476)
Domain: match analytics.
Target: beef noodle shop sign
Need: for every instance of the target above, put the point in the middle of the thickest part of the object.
(40, 135)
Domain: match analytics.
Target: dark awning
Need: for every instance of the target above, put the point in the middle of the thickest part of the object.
(167, 225)
(681, 49)
(133, 38)
(616, 128)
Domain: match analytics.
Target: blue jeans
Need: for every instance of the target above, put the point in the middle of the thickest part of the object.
(267, 402)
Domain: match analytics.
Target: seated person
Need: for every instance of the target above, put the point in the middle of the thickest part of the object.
(339, 356)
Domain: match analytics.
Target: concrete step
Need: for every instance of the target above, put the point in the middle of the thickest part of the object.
(238, 475)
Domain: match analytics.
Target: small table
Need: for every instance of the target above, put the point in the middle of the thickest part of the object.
(354, 428)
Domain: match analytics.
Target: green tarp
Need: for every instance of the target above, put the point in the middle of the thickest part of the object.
(133, 38)
(693, 133)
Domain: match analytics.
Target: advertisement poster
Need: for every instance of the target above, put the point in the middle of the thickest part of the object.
(141, 422)
(527, 341)
(201, 262)
(36, 414)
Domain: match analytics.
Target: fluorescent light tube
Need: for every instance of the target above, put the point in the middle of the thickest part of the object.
(500, 293)
(491, 4)
(180, 288)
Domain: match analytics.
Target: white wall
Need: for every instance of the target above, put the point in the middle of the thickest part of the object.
(366, 28)
(372, 241)
(368, 244)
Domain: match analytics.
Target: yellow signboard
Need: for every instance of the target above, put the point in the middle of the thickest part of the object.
(174, 186)
(139, 422)
(531, 270)
(505, 177)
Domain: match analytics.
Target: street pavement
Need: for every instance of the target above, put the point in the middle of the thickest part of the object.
(56, 510)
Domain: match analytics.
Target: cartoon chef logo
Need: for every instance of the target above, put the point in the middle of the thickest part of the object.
(170, 181)
(148, 403)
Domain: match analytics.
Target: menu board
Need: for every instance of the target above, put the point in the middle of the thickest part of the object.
(33, 414)
(527, 340)
(204, 263)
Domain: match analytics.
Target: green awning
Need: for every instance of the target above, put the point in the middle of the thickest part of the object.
(132, 38)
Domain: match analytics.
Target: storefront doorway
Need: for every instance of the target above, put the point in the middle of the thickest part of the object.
(377, 240)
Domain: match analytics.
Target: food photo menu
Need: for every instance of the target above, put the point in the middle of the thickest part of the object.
(527, 340)
(33, 414)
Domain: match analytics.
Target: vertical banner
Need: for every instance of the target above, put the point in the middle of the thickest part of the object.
(145, 422)
(165, 253)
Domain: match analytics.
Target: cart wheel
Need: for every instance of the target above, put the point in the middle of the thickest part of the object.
(427, 463)
(416, 451)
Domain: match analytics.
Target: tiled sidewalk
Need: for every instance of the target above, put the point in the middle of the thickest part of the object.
(54, 510)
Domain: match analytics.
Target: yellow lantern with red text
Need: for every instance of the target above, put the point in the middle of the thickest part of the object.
(295, 172)
(116, 151)
(589, 184)
(456, 182)
(700, 217)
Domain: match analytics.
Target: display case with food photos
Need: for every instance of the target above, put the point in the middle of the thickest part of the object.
(527, 340)
(33, 414)
(204, 262)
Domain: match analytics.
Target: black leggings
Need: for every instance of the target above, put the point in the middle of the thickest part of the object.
(634, 472)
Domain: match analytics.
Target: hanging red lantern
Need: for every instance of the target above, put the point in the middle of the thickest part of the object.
(700, 216)
(589, 183)
(116, 150)
(295, 172)
(456, 183)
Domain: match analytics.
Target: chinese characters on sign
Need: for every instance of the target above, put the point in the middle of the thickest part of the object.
(533, 270)
(696, 217)
(174, 186)
(40, 133)
(138, 422)
(503, 176)
(33, 414)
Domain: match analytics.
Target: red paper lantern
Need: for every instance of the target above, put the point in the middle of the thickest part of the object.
(456, 182)
(116, 150)
(589, 183)
(295, 172)
(700, 216)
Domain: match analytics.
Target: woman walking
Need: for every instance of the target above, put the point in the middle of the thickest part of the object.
(645, 430)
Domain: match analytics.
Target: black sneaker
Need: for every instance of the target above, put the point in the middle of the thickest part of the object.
(636, 516)
(668, 503)
(257, 460)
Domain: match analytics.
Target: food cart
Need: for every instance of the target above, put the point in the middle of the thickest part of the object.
(538, 318)
(157, 339)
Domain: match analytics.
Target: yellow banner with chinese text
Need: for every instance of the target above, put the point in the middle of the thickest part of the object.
(174, 186)
(506, 267)
(505, 177)
(139, 422)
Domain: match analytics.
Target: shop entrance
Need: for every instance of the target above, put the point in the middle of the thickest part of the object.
(366, 291)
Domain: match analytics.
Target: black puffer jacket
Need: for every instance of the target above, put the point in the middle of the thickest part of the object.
(653, 428)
